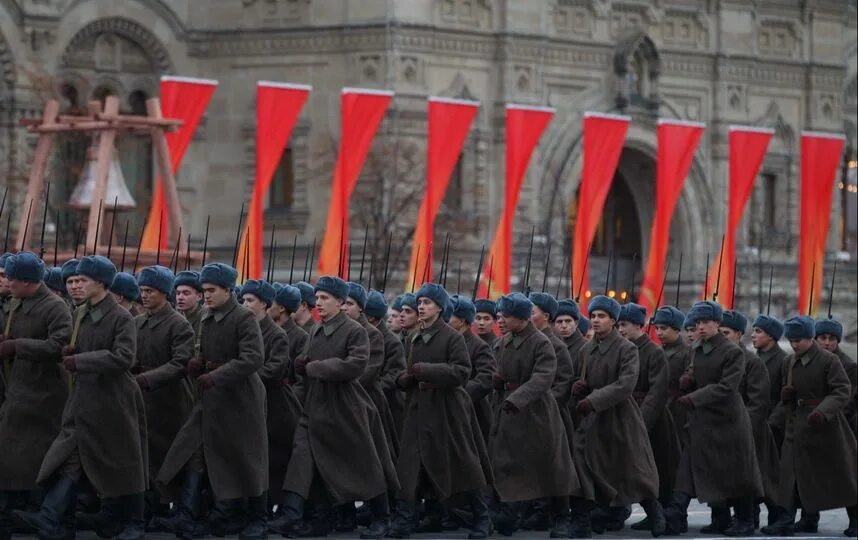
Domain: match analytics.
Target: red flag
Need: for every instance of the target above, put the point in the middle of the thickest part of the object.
(449, 123)
(747, 149)
(820, 157)
(361, 113)
(186, 99)
(277, 108)
(524, 127)
(677, 142)
(604, 135)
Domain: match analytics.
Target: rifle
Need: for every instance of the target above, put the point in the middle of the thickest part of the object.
(206, 240)
(658, 301)
(526, 281)
(238, 236)
(547, 264)
(831, 289)
(608, 273)
(160, 232)
(292, 263)
(812, 286)
(678, 281)
(44, 221)
(362, 254)
(124, 248)
(718, 277)
(583, 272)
(26, 225)
(386, 263)
(479, 271)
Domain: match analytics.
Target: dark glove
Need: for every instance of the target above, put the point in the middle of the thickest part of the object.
(68, 350)
(685, 402)
(206, 381)
(584, 407)
(70, 363)
(687, 383)
(580, 390)
(498, 381)
(815, 418)
(788, 394)
(7, 348)
(195, 367)
(142, 382)
(416, 371)
(300, 365)
(509, 408)
(406, 381)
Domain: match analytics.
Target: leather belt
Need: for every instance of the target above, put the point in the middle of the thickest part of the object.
(211, 366)
(675, 393)
(639, 396)
(428, 386)
(511, 386)
(808, 402)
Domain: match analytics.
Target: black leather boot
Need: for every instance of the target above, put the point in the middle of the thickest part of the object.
(379, 506)
(49, 521)
(507, 519)
(107, 522)
(403, 521)
(561, 514)
(225, 518)
(743, 525)
(784, 525)
(581, 526)
(539, 518)
(720, 520)
(133, 517)
(655, 514)
(291, 521)
(676, 513)
(852, 529)
(346, 517)
(257, 518)
(481, 526)
(183, 519)
(432, 520)
(808, 522)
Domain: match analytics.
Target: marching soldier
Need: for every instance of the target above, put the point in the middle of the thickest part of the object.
(126, 292)
(566, 326)
(608, 415)
(287, 300)
(392, 315)
(530, 445)
(756, 394)
(54, 281)
(230, 407)
(484, 320)
(103, 420)
(817, 466)
(829, 334)
(189, 297)
(304, 314)
(442, 453)
(35, 330)
(408, 319)
(717, 464)
(340, 446)
(767, 332)
(668, 328)
(394, 358)
(165, 344)
(586, 328)
(651, 394)
(72, 281)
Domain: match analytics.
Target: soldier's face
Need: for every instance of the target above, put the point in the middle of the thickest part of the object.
(4, 284)
(393, 320)
(327, 304)
(601, 323)
(630, 330)
(278, 313)
(427, 310)
(512, 324)
(565, 325)
(187, 298)
(351, 308)
(459, 325)
(539, 318)
(761, 340)
(826, 341)
(90, 288)
(484, 323)
(502, 324)
(800, 346)
(22, 289)
(691, 334)
(215, 296)
(152, 299)
(407, 318)
(255, 306)
(666, 334)
(74, 289)
(707, 329)
(732, 335)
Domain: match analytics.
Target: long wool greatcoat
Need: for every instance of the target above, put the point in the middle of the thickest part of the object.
(561, 388)
(530, 450)
(440, 434)
(817, 461)
(371, 382)
(165, 344)
(479, 385)
(228, 420)
(612, 451)
(774, 362)
(394, 365)
(678, 356)
(340, 436)
(38, 387)
(756, 395)
(104, 417)
(851, 368)
(719, 461)
(651, 394)
(283, 408)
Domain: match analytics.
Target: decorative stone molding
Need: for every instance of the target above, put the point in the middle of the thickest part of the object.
(778, 37)
(574, 17)
(630, 16)
(687, 29)
(471, 14)
(122, 27)
(277, 12)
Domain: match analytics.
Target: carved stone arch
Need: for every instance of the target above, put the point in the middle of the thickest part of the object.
(637, 64)
(7, 66)
(160, 8)
(123, 27)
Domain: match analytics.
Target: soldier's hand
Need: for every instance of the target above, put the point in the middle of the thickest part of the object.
(70, 363)
(195, 367)
(2, 338)
(498, 380)
(406, 381)
(206, 381)
(300, 365)
(416, 370)
(685, 402)
(7, 348)
(687, 382)
(141, 381)
(788, 394)
(509, 408)
(584, 407)
(580, 390)
(68, 350)
(815, 418)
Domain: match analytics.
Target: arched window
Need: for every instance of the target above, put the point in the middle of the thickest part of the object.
(637, 66)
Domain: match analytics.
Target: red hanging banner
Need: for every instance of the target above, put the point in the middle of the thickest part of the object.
(747, 149)
(277, 109)
(524, 126)
(820, 158)
(185, 99)
(604, 135)
(677, 142)
(361, 113)
(449, 123)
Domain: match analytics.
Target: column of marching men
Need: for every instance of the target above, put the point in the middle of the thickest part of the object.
(181, 403)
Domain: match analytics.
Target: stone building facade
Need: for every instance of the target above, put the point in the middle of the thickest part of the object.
(786, 64)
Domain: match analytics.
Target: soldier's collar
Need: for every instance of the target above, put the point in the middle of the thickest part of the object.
(289, 324)
(27, 304)
(98, 311)
(573, 338)
(518, 338)
(331, 325)
(605, 345)
(155, 318)
(641, 341)
(428, 332)
(266, 323)
(220, 312)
